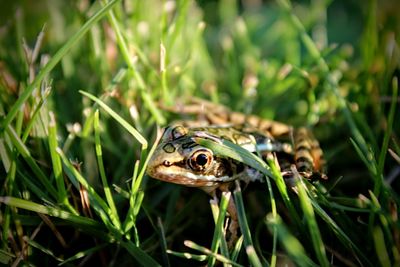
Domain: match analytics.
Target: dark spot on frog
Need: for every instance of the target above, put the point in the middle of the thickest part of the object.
(169, 148)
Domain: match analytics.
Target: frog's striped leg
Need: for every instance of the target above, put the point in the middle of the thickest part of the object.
(308, 155)
(209, 113)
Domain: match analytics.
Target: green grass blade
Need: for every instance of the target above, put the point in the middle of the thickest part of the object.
(142, 257)
(244, 227)
(380, 247)
(345, 239)
(43, 249)
(311, 221)
(230, 150)
(291, 244)
(163, 243)
(35, 113)
(188, 256)
(208, 252)
(385, 220)
(386, 137)
(110, 201)
(219, 228)
(236, 250)
(137, 178)
(153, 108)
(55, 212)
(98, 204)
(82, 254)
(137, 76)
(274, 230)
(54, 60)
(57, 165)
(118, 118)
(25, 153)
(283, 190)
(6, 257)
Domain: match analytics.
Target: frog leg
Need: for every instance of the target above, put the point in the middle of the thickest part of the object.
(195, 106)
(233, 227)
(233, 224)
(308, 155)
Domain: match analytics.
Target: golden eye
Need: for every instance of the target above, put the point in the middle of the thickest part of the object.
(200, 160)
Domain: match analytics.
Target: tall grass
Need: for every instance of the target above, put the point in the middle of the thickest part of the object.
(81, 88)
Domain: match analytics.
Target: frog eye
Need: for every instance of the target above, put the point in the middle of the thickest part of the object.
(201, 160)
(178, 131)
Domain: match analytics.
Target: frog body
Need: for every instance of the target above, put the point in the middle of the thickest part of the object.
(179, 159)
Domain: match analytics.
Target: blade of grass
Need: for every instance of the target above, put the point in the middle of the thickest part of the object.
(118, 118)
(53, 62)
(142, 257)
(130, 215)
(98, 204)
(57, 165)
(219, 229)
(166, 95)
(136, 75)
(281, 184)
(237, 249)
(274, 230)
(26, 155)
(137, 178)
(244, 227)
(228, 149)
(385, 220)
(35, 113)
(291, 244)
(175, 29)
(386, 137)
(380, 247)
(313, 228)
(87, 126)
(208, 252)
(188, 256)
(83, 222)
(83, 253)
(346, 241)
(99, 154)
(366, 158)
(6, 257)
(8, 189)
(43, 249)
(163, 242)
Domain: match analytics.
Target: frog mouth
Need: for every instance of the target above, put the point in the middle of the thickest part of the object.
(184, 178)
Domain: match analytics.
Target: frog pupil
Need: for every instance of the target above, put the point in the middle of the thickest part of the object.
(201, 159)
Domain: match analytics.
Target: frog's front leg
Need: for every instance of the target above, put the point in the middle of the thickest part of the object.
(233, 227)
(233, 224)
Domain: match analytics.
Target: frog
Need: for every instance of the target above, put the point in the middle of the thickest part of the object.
(179, 159)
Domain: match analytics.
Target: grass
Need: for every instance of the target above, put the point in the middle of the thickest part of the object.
(81, 86)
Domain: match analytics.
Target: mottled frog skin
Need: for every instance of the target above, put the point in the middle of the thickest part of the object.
(179, 159)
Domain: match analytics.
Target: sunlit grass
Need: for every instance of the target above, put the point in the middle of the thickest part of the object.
(81, 86)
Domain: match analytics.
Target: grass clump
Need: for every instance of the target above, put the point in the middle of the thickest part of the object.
(81, 85)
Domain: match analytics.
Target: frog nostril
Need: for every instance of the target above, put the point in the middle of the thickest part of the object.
(167, 163)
